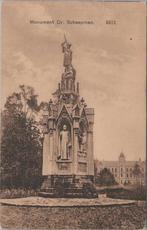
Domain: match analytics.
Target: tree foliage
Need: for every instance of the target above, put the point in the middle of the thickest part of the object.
(21, 145)
(105, 178)
(137, 173)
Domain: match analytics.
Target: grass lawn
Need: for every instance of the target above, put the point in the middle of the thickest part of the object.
(120, 217)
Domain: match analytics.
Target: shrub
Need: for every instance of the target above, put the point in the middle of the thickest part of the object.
(105, 177)
(17, 193)
(138, 193)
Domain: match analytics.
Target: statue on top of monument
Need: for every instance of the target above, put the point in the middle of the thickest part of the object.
(67, 53)
(64, 143)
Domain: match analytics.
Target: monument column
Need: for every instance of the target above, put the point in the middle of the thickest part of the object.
(46, 155)
(75, 151)
(46, 143)
(90, 150)
(51, 151)
(51, 144)
(75, 144)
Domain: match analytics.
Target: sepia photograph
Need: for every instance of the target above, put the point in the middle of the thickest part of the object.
(73, 115)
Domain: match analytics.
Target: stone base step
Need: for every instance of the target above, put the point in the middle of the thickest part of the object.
(48, 190)
(67, 195)
(46, 194)
(67, 190)
(71, 193)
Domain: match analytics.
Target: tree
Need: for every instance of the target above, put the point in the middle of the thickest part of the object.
(21, 145)
(137, 173)
(105, 177)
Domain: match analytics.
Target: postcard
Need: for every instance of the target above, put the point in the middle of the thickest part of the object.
(73, 114)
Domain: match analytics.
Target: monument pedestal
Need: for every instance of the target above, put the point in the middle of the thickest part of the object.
(68, 186)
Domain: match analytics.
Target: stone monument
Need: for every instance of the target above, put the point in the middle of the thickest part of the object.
(68, 133)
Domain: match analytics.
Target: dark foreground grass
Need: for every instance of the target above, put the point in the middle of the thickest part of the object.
(118, 217)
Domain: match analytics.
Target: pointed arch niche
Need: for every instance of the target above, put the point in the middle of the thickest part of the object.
(83, 137)
(64, 123)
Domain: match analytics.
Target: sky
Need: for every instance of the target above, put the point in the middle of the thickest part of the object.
(109, 62)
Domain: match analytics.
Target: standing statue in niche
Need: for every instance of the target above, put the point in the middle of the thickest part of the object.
(64, 144)
(82, 141)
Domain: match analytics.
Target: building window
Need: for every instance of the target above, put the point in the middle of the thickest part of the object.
(112, 169)
(115, 169)
(127, 175)
(121, 169)
(127, 169)
(121, 175)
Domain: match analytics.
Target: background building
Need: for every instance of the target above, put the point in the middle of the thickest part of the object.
(125, 172)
